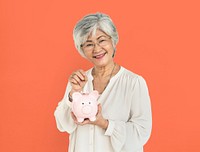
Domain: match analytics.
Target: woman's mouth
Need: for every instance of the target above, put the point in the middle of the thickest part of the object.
(99, 56)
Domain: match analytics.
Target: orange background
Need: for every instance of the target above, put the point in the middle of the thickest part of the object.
(159, 40)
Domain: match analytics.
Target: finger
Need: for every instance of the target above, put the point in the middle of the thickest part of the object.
(86, 121)
(99, 111)
(82, 72)
(86, 78)
(71, 78)
(99, 108)
(82, 123)
(81, 75)
(74, 81)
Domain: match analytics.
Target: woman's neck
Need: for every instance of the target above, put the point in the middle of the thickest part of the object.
(105, 71)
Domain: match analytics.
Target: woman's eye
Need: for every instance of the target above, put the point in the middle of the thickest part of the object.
(88, 45)
(101, 41)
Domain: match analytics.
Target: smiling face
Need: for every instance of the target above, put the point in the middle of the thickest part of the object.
(98, 49)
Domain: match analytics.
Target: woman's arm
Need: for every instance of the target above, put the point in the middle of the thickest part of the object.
(132, 135)
(62, 114)
(64, 120)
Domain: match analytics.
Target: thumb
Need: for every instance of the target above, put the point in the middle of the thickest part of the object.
(86, 78)
(99, 108)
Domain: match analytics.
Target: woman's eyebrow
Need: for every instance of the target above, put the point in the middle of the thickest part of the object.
(101, 36)
(88, 41)
(97, 38)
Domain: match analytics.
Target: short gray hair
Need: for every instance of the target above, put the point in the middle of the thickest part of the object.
(89, 24)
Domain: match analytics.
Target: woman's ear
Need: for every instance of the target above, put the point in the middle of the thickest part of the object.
(114, 53)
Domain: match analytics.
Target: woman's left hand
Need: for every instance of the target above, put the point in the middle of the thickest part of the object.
(100, 121)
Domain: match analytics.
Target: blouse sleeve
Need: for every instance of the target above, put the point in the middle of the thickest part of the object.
(132, 135)
(62, 114)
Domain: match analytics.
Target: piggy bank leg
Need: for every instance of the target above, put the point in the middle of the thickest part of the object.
(92, 118)
(80, 119)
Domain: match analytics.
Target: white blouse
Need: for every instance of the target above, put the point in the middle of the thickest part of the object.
(125, 103)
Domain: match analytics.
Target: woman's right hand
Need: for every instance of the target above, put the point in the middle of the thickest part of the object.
(77, 80)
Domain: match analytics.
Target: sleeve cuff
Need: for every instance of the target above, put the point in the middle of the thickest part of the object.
(68, 103)
(110, 128)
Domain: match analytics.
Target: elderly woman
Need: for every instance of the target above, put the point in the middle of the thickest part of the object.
(123, 122)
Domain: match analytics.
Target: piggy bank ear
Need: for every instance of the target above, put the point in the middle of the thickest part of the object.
(76, 95)
(94, 94)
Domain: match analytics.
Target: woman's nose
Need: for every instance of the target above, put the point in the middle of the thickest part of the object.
(97, 47)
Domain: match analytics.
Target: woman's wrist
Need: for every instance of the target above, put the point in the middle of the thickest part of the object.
(70, 97)
(104, 124)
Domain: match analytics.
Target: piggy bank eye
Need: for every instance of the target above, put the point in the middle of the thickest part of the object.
(89, 102)
(82, 103)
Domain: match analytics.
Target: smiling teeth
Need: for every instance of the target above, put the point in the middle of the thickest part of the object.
(99, 56)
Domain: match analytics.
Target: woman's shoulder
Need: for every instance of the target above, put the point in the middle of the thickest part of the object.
(132, 79)
(130, 75)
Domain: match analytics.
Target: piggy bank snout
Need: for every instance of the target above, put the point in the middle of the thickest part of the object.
(86, 109)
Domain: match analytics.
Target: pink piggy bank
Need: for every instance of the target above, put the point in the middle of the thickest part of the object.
(85, 105)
